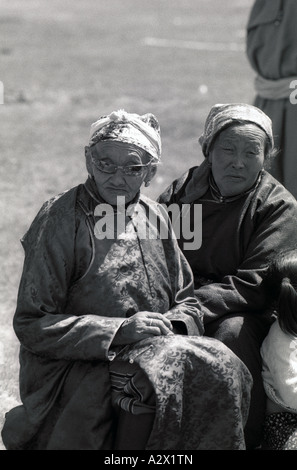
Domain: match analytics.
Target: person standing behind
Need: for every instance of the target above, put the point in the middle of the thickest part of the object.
(279, 355)
(272, 52)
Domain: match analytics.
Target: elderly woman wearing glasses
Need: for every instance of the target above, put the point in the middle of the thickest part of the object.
(112, 353)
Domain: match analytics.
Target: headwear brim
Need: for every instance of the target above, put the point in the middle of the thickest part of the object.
(224, 115)
(142, 131)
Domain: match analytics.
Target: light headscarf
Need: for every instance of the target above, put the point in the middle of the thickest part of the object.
(220, 117)
(223, 115)
(142, 131)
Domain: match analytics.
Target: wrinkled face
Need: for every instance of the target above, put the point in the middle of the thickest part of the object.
(236, 157)
(114, 182)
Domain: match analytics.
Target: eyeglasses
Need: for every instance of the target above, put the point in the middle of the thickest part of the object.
(129, 170)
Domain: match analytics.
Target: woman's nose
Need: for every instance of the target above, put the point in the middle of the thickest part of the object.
(238, 161)
(118, 177)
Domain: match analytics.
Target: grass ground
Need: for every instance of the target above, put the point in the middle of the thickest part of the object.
(63, 64)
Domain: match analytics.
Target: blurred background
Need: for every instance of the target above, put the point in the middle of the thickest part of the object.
(63, 64)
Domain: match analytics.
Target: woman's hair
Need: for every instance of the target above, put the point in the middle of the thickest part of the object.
(281, 286)
(270, 154)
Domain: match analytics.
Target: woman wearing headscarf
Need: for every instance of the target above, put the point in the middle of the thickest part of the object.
(247, 218)
(271, 46)
(112, 355)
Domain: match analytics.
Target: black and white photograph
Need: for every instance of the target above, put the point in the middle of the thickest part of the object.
(148, 227)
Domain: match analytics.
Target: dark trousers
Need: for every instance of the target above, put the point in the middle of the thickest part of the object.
(244, 334)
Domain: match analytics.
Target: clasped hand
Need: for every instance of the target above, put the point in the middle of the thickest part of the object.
(142, 325)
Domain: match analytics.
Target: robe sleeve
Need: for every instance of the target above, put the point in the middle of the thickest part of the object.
(39, 321)
(274, 226)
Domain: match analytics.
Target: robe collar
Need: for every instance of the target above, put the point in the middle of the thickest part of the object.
(92, 190)
(217, 196)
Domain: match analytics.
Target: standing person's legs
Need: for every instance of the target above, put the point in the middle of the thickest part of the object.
(275, 109)
(243, 334)
(283, 115)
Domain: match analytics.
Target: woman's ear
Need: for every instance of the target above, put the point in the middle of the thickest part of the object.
(150, 175)
(88, 157)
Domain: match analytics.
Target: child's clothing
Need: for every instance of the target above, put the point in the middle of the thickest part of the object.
(280, 432)
(279, 355)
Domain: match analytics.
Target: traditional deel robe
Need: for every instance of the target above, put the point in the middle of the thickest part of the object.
(272, 52)
(240, 235)
(75, 292)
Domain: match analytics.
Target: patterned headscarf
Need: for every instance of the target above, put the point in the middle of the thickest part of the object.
(142, 131)
(223, 115)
